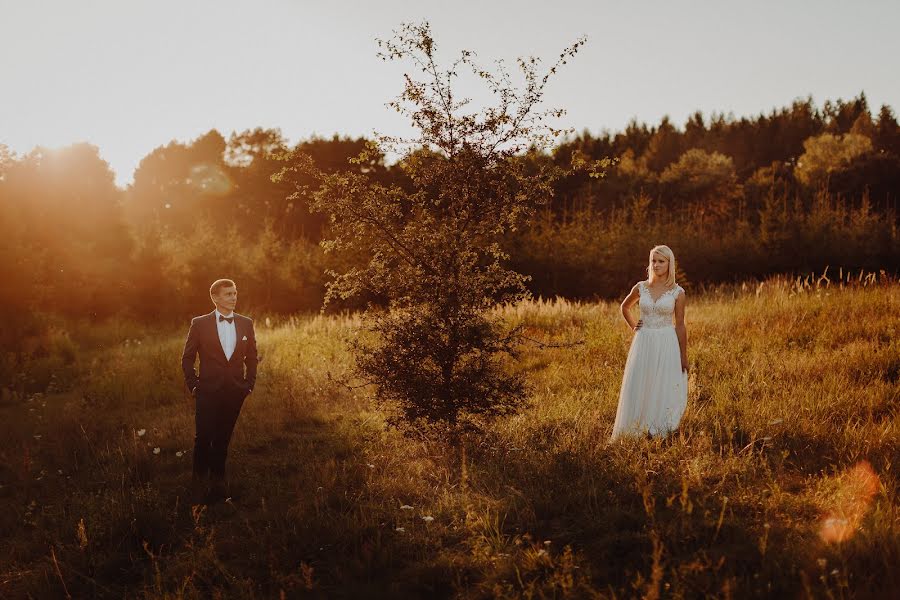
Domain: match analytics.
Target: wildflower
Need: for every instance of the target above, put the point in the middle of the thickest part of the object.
(834, 572)
(428, 519)
(179, 454)
(141, 432)
(406, 507)
(156, 450)
(370, 465)
(59, 471)
(400, 529)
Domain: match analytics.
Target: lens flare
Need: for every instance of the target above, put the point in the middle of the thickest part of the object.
(209, 179)
(855, 489)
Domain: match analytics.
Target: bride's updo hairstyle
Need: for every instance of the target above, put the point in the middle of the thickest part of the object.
(667, 252)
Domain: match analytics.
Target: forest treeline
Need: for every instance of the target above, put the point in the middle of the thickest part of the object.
(792, 191)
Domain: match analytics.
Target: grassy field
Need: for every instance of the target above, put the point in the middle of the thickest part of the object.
(782, 481)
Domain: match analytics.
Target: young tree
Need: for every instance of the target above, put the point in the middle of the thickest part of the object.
(705, 181)
(828, 153)
(433, 250)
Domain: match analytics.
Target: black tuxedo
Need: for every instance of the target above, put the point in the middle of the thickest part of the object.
(220, 388)
(215, 369)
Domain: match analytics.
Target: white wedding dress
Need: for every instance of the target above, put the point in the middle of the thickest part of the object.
(654, 388)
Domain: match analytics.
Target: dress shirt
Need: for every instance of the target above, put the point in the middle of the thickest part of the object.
(227, 334)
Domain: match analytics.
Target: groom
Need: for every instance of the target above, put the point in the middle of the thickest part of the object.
(226, 344)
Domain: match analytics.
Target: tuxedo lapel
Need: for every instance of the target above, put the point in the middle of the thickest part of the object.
(238, 326)
(217, 343)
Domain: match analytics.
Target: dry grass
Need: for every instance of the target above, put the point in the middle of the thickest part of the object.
(782, 480)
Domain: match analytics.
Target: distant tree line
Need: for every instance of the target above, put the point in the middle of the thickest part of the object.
(791, 191)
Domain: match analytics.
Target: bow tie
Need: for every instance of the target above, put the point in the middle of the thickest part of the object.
(224, 318)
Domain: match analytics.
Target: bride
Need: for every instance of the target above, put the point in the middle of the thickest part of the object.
(654, 386)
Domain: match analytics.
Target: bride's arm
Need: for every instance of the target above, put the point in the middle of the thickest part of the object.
(633, 296)
(680, 329)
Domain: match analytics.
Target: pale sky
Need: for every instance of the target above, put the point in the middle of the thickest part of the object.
(131, 75)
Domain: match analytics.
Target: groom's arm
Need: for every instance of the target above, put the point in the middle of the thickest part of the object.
(191, 346)
(251, 358)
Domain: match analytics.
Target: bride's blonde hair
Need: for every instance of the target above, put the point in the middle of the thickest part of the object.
(667, 252)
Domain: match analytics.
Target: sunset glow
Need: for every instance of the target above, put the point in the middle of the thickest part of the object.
(131, 76)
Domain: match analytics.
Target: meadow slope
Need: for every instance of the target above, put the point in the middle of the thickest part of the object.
(782, 481)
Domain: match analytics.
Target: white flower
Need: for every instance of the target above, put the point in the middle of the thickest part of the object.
(141, 432)
(428, 519)
(179, 454)
(156, 450)
(406, 507)
(59, 471)
(370, 465)
(834, 572)
(400, 529)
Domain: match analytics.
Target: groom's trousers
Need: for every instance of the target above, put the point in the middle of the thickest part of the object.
(214, 418)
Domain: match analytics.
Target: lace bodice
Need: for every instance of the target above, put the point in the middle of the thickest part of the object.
(657, 314)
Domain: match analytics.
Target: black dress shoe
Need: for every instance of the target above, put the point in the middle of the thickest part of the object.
(198, 491)
(216, 493)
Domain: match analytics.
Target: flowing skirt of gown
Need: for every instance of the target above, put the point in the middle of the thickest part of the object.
(654, 388)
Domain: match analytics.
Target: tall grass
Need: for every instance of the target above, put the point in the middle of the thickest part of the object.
(781, 481)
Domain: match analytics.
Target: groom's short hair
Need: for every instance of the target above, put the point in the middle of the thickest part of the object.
(218, 284)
